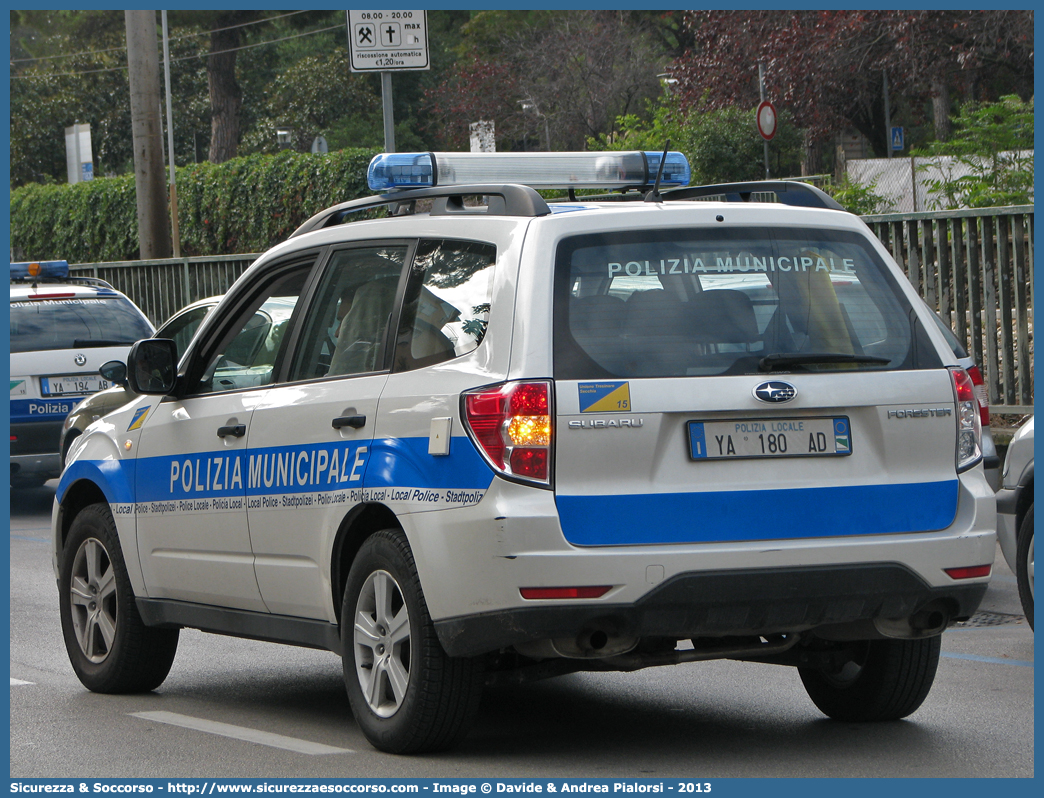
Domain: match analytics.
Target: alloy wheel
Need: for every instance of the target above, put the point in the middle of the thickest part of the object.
(382, 643)
(92, 598)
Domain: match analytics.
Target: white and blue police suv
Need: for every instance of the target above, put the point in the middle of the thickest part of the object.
(516, 438)
(62, 330)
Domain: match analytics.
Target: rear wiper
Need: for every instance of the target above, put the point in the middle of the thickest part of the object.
(89, 342)
(779, 360)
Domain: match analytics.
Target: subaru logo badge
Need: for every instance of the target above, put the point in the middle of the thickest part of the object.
(80, 360)
(775, 392)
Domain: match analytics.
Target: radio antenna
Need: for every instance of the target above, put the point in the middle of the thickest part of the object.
(654, 195)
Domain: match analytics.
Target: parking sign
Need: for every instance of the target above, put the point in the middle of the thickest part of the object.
(386, 41)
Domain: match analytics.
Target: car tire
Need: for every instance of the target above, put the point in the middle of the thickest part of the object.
(1024, 565)
(110, 648)
(407, 694)
(883, 680)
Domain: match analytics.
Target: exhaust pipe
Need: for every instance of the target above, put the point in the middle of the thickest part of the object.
(928, 621)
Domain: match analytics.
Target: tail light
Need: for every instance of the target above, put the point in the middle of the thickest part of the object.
(982, 394)
(511, 424)
(969, 421)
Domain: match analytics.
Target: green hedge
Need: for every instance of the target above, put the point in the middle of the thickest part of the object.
(243, 205)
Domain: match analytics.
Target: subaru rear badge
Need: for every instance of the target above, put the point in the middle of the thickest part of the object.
(775, 392)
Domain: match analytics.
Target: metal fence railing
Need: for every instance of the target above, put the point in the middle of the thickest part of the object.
(975, 267)
(161, 287)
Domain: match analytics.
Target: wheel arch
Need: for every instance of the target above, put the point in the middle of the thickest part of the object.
(77, 496)
(109, 482)
(361, 522)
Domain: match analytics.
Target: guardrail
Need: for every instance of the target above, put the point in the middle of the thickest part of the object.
(975, 267)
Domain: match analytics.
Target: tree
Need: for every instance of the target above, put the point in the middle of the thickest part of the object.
(312, 97)
(992, 145)
(229, 33)
(226, 98)
(722, 146)
(827, 67)
(67, 67)
(548, 75)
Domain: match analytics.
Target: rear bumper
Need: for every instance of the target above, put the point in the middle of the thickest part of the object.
(34, 449)
(35, 438)
(474, 561)
(716, 604)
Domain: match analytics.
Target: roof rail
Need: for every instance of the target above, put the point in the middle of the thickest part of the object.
(789, 193)
(84, 280)
(507, 199)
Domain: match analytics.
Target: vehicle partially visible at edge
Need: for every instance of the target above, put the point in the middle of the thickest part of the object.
(62, 330)
(1015, 513)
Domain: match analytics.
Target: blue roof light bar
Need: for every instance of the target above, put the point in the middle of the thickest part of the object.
(598, 170)
(44, 268)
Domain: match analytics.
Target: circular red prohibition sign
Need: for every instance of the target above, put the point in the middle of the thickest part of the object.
(767, 120)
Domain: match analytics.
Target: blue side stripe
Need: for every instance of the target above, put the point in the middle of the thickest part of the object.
(405, 461)
(725, 516)
(387, 462)
(114, 477)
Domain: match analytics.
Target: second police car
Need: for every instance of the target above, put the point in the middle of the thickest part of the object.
(63, 329)
(526, 438)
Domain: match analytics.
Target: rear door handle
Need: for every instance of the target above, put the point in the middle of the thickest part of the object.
(238, 430)
(349, 421)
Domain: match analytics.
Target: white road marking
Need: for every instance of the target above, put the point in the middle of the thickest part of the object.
(241, 733)
(15, 681)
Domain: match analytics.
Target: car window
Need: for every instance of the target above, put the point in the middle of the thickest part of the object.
(347, 326)
(248, 357)
(75, 323)
(182, 327)
(706, 302)
(958, 348)
(446, 307)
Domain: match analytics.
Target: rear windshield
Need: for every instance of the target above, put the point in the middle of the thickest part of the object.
(737, 301)
(46, 324)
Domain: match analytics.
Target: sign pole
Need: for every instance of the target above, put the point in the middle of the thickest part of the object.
(175, 233)
(388, 41)
(389, 112)
(888, 114)
(761, 87)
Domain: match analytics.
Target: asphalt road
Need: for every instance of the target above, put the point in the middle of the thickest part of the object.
(285, 714)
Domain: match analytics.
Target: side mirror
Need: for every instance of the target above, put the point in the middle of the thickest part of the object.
(152, 366)
(115, 371)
